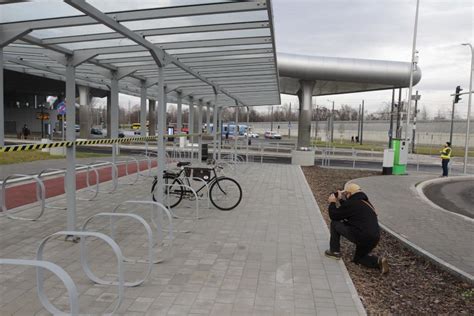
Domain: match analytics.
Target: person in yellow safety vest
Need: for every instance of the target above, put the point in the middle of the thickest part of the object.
(445, 157)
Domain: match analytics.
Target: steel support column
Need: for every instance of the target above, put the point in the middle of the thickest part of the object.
(214, 128)
(179, 114)
(84, 112)
(2, 102)
(220, 109)
(114, 107)
(196, 123)
(199, 128)
(143, 109)
(208, 118)
(70, 178)
(109, 108)
(152, 117)
(305, 96)
(236, 132)
(160, 119)
(114, 112)
(191, 121)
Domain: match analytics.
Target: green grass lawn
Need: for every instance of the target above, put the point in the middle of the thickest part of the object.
(33, 155)
(420, 149)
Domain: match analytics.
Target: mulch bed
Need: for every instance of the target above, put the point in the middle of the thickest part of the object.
(414, 285)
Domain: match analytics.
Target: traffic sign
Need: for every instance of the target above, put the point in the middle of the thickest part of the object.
(61, 108)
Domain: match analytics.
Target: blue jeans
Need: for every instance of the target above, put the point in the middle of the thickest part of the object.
(444, 164)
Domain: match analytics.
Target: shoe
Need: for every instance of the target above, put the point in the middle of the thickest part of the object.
(383, 265)
(334, 255)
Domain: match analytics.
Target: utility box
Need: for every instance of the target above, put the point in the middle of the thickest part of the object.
(388, 158)
(400, 147)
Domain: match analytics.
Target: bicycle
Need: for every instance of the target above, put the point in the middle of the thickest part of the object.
(225, 193)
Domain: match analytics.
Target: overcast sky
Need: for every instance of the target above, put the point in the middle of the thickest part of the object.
(375, 29)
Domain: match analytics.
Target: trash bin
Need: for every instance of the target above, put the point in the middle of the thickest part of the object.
(204, 152)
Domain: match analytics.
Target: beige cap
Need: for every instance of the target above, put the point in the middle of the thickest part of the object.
(351, 188)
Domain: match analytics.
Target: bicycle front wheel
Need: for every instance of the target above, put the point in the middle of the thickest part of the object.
(225, 194)
(172, 192)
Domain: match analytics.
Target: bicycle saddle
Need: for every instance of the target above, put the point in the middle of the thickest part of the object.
(183, 163)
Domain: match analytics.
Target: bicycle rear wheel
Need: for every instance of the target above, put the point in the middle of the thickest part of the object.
(172, 192)
(225, 194)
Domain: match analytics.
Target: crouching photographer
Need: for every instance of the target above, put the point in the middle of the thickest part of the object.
(356, 220)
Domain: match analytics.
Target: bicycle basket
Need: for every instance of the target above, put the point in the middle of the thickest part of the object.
(201, 173)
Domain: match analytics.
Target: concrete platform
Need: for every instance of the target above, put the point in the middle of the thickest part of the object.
(263, 258)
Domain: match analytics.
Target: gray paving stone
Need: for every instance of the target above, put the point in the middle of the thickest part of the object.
(263, 258)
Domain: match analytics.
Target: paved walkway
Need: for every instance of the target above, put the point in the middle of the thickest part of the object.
(443, 234)
(263, 258)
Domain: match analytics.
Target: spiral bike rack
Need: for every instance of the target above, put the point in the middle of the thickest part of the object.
(114, 174)
(82, 235)
(156, 220)
(89, 188)
(60, 273)
(126, 160)
(40, 196)
(56, 171)
(149, 234)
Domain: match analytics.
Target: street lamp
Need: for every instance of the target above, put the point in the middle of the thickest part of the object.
(332, 121)
(466, 145)
(414, 60)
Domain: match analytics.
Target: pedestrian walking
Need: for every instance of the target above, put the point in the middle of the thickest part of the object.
(25, 131)
(445, 158)
(356, 220)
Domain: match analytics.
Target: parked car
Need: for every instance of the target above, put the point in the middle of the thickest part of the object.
(136, 126)
(77, 128)
(272, 135)
(251, 135)
(96, 131)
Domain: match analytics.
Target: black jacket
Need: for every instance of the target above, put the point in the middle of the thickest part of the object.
(358, 216)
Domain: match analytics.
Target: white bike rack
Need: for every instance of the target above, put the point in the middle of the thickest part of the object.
(126, 160)
(195, 195)
(148, 163)
(156, 220)
(149, 234)
(89, 188)
(85, 266)
(40, 195)
(60, 273)
(114, 174)
(207, 188)
(56, 171)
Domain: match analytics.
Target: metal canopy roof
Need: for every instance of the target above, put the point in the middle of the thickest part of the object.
(204, 45)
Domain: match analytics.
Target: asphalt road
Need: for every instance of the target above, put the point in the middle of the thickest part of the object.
(456, 196)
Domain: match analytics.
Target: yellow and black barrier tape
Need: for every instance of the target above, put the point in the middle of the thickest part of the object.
(86, 142)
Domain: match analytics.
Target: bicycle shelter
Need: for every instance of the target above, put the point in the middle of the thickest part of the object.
(212, 54)
(206, 54)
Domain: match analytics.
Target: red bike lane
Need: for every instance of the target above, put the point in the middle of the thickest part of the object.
(23, 194)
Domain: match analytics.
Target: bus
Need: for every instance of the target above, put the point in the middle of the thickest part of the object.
(232, 130)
